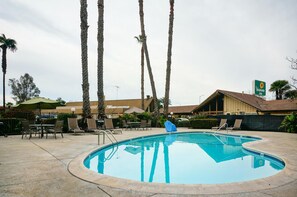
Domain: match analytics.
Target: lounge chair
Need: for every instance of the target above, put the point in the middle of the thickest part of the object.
(73, 126)
(236, 125)
(143, 124)
(92, 126)
(27, 130)
(109, 126)
(149, 124)
(58, 128)
(223, 125)
(125, 124)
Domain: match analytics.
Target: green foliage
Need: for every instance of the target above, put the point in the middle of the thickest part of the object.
(12, 126)
(61, 101)
(24, 88)
(162, 120)
(291, 94)
(182, 123)
(129, 117)
(64, 118)
(19, 113)
(199, 117)
(279, 87)
(144, 116)
(203, 123)
(290, 123)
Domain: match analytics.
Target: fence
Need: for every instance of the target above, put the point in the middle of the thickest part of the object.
(255, 122)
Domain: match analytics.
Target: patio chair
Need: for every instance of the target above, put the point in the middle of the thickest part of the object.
(125, 124)
(149, 124)
(73, 126)
(27, 130)
(223, 124)
(58, 128)
(236, 126)
(92, 127)
(143, 124)
(109, 126)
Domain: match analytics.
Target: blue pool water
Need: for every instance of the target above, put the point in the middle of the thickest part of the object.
(184, 158)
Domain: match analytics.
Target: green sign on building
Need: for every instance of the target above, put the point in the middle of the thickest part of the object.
(259, 88)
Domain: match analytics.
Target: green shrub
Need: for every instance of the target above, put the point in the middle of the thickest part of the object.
(12, 126)
(182, 123)
(19, 113)
(162, 120)
(144, 116)
(290, 123)
(203, 123)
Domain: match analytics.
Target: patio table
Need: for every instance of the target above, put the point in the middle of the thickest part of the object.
(134, 125)
(42, 126)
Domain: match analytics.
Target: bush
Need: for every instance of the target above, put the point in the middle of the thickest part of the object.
(182, 123)
(12, 126)
(203, 123)
(290, 123)
(19, 113)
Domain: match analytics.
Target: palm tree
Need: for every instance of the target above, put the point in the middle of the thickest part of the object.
(140, 41)
(169, 53)
(279, 87)
(100, 40)
(149, 68)
(6, 43)
(84, 57)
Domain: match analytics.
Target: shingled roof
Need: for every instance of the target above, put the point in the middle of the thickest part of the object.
(186, 109)
(257, 102)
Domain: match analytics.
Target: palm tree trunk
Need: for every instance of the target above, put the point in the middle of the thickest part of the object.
(169, 53)
(4, 66)
(84, 58)
(142, 77)
(100, 49)
(141, 14)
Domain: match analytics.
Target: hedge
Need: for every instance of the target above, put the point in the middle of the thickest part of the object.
(203, 123)
(12, 126)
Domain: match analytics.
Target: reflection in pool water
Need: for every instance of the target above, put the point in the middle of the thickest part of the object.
(184, 158)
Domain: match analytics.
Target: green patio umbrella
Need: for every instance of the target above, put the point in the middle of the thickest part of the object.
(38, 103)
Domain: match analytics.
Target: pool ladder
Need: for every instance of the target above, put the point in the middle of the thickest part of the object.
(224, 125)
(113, 141)
(107, 133)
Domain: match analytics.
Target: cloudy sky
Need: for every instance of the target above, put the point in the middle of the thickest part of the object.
(216, 45)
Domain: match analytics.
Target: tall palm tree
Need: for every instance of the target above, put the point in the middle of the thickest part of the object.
(6, 43)
(140, 41)
(84, 57)
(279, 87)
(149, 68)
(169, 53)
(100, 40)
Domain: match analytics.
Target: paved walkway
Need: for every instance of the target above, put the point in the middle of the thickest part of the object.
(39, 167)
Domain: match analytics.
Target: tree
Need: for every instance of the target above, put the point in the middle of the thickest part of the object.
(24, 88)
(148, 64)
(279, 87)
(100, 49)
(169, 53)
(6, 43)
(84, 58)
(61, 101)
(140, 41)
(291, 94)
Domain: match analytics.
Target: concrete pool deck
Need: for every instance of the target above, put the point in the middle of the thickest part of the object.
(46, 167)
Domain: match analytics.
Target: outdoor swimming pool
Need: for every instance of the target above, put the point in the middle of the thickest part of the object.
(184, 158)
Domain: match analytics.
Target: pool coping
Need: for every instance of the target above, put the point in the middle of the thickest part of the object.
(286, 176)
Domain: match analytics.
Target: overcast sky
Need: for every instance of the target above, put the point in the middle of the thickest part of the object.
(216, 45)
